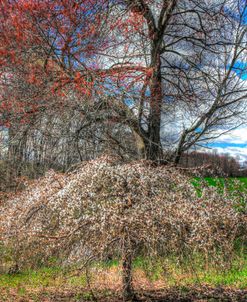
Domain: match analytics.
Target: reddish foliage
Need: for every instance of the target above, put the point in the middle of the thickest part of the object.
(61, 42)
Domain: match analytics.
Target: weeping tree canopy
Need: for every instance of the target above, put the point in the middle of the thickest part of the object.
(105, 207)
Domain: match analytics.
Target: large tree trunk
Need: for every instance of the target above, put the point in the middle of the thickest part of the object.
(153, 149)
(153, 141)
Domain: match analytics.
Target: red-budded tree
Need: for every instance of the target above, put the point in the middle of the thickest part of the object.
(144, 60)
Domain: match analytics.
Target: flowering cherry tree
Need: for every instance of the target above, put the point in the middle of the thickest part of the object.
(105, 207)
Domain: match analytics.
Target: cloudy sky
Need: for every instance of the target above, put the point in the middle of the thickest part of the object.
(234, 143)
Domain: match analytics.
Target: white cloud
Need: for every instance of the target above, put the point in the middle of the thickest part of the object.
(237, 136)
(233, 143)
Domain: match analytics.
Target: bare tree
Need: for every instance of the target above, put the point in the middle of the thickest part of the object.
(217, 90)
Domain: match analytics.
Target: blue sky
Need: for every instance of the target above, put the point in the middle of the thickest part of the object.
(241, 70)
(226, 144)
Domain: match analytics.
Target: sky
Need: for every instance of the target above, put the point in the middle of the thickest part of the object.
(233, 143)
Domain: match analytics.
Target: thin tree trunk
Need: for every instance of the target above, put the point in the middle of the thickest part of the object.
(179, 150)
(127, 257)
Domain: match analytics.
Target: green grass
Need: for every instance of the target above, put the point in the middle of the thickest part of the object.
(236, 278)
(34, 278)
(220, 182)
(235, 188)
(168, 269)
(192, 271)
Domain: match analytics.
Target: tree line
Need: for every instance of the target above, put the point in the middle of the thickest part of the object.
(214, 164)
